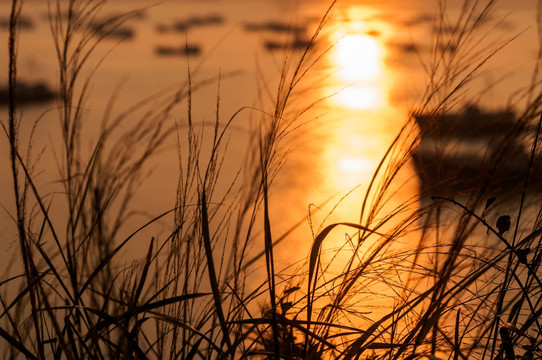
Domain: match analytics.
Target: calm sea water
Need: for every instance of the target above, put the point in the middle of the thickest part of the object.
(368, 72)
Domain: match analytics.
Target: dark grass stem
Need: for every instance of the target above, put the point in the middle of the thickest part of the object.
(13, 129)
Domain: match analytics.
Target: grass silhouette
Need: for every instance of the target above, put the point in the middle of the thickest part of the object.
(467, 287)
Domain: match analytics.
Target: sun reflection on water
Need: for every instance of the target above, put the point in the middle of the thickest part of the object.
(358, 57)
(358, 63)
(358, 85)
(359, 98)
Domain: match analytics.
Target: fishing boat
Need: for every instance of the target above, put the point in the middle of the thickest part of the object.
(28, 93)
(186, 50)
(473, 150)
(296, 44)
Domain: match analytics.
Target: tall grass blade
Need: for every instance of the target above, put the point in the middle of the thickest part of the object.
(457, 340)
(16, 344)
(144, 273)
(13, 129)
(221, 354)
(194, 350)
(270, 265)
(109, 320)
(313, 259)
(212, 273)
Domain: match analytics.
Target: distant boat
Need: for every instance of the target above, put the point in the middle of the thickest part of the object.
(23, 22)
(105, 30)
(296, 44)
(470, 123)
(28, 93)
(469, 151)
(190, 50)
(211, 19)
(274, 26)
(193, 21)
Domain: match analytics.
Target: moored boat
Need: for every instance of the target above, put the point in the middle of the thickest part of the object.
(473, 150)
(28, 93)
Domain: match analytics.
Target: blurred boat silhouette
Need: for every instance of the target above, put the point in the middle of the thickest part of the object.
(23, 22)
(106, 30)
(211, 19)
(296, 44)
(470, 123)
(28, 93)
(193, 21)
(472, 150)
(190, 50)
(274, 26)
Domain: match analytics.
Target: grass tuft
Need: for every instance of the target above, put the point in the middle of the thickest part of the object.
(438, 276)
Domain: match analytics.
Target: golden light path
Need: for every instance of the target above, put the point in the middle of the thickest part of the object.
(362, 122)
(358, 58)
(360, 95)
